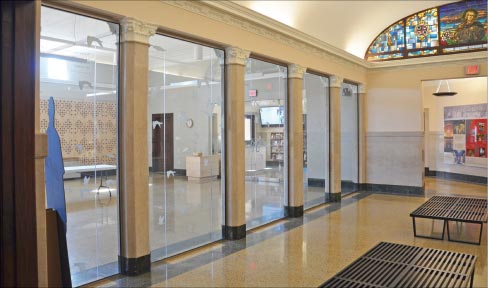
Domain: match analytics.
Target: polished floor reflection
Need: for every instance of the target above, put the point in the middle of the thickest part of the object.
(305, 252)
(92, 228)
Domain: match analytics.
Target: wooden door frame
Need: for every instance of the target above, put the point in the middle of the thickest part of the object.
(18, 230)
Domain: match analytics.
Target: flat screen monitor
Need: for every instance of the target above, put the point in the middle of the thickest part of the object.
(272, 116)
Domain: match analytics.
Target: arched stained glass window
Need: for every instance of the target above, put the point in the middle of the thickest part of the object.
(388, 42)
(452, 28)
(422, 30)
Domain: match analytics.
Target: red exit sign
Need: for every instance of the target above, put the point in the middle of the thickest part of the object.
(253, 93)
(472, 70)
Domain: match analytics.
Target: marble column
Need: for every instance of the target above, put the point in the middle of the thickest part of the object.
(295, 141)
(335, 138)
(362, 135)
(134, 258)
(235, 192)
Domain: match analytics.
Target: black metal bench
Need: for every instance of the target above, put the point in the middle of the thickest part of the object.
(455, 209)
(398, 265)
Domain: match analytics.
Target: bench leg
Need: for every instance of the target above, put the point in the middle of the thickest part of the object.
(472, 278)
(414, 227)
(461, 241)
(428, 237)
(481, 234)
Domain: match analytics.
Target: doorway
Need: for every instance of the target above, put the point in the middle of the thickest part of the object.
(162, 142)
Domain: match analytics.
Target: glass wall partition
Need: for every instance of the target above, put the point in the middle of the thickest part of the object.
(79, 70)
(349, 138)
(185, 121)
(315, 139)
(266, 142)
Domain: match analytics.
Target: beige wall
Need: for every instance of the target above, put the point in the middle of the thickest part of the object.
(183, 22)
(395, 94)
(470, 91)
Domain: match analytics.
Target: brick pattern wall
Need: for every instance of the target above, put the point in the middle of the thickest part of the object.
(88, 130)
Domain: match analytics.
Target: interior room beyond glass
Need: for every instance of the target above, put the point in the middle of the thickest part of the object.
(349, 138)
(315, 140)
(266, 142)
(79, 70)
(185, 122)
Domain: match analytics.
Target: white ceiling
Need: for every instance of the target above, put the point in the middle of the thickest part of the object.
(348, 25)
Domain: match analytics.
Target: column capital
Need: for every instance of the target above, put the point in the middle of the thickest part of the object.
(296, 71)
(134, 30)
(362, 89)
(335, 81)
(236, 55)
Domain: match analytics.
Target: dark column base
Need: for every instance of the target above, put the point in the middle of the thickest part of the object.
(233, 232)
(335, 197)
(134, 266)
(294, 211)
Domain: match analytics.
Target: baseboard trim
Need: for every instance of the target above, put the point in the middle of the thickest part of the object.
(134, 266)
(316, 182)
(392, 189)
(456, 176)
(233, 232)
(294, 211)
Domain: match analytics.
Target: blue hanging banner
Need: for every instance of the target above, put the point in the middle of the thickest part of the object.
(54, 168)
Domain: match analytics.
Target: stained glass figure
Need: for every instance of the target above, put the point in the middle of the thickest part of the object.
(463, 23)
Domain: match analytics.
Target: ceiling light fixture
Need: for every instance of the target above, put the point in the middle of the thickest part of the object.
(448, 93)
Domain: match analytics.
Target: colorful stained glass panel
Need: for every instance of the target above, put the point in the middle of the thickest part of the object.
(465, 48)
(385, 57)
(422, 53)
(463, 23)
(422, 30)
(392, 39)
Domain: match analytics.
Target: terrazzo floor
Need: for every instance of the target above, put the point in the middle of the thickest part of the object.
(183, 215)
(305, 252)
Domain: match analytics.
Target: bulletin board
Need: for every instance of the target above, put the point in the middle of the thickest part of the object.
(465, 137)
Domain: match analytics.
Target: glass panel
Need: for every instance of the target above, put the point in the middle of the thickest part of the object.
(422, 53)
(465, 48)
(78, 68)
(421, 30)
(463, 23)
(349, 138)
(385, 56)
(392, 39)
(185, 119)
(315, 139)
(266, 159)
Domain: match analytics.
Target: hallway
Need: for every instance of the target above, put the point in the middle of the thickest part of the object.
(306, 252)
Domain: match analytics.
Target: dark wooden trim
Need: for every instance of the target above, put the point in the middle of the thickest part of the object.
(17, 189)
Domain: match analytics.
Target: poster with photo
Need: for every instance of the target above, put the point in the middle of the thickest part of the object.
(465, 138)
(455, 141)
(476, 138)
